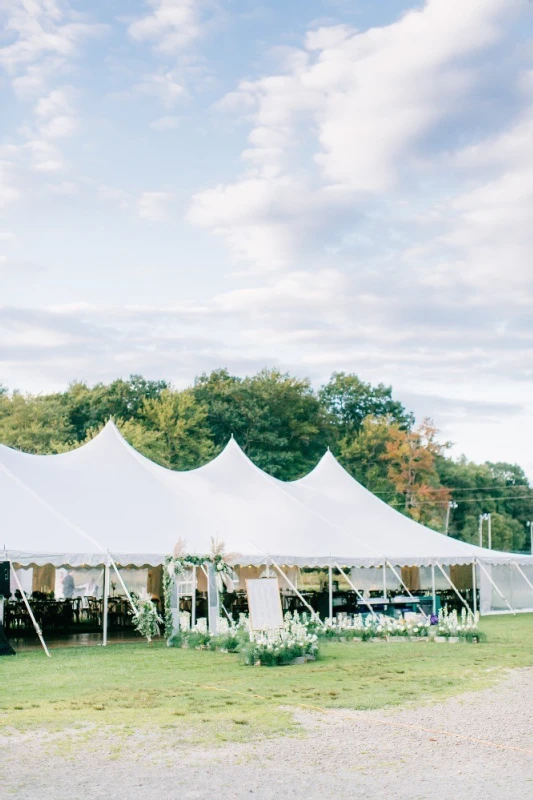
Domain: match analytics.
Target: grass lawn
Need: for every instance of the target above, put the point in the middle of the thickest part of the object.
(133, 686)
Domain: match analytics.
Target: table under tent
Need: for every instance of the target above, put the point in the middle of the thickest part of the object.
(103, 518)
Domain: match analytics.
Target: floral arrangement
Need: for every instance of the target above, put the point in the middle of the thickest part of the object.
(282, 646)
(147, 619)
(179, 564)
(372, 626)
(465, 627)
(229, 637)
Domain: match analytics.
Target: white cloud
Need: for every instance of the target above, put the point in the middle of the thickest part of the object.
(41, 29)
(45, 156)
(165, 124)
(172, 25)
(164, 86)
(367, 99)
(154, 205)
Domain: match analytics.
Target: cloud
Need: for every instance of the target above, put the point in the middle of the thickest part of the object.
(154, 205)
(172, 25)
(41, 29)
(165, 124)
(164, 86)
(347, 112)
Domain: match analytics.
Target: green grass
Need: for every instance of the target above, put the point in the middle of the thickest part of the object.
(136, 686)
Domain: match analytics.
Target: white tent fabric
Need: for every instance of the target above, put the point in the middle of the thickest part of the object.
(333, 492)
(73, 507)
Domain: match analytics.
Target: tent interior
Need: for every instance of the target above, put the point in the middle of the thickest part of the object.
(332, 543)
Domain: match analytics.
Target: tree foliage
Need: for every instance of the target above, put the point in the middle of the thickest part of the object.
(284, 426)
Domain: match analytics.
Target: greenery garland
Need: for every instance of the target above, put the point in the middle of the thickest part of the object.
(176, 566)
(147, 619)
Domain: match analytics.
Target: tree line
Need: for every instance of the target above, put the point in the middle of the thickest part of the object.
(285, 426)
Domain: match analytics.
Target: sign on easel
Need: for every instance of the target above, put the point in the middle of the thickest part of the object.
(264, 604)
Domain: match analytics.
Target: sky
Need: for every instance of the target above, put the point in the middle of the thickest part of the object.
(318, 186)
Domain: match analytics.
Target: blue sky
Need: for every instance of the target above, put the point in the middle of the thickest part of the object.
(319, 186)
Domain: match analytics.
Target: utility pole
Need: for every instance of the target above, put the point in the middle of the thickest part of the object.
(451, 504)
(485, 517)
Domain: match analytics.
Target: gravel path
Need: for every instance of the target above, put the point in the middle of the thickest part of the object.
(343, 754)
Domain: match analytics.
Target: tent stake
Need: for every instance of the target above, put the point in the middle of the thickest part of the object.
(294, 589)
(456, 590)
(358, 593)
(507, 603)
(30, 612)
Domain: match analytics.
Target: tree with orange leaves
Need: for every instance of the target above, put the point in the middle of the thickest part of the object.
(410, 457)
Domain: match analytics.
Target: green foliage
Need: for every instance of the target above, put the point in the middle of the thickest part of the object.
(351, 401)
(181, 424)
(34, 424)
(277, 419)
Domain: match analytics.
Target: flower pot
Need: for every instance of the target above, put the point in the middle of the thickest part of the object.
(298, 660)
(453, 639)
(440, 639)
(309, 657)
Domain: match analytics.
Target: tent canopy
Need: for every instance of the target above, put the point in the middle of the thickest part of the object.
(74, 507)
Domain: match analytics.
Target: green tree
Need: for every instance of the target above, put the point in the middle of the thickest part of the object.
(276, 419)
(34, 424)
(89, 408)
(350, 401)
(178, 424)
(506, 533)
(482, 488)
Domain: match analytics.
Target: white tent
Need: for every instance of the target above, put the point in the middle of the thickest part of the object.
(505, 580)
(332, 491)
(73, 508)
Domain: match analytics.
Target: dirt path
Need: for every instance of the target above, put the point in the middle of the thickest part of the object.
(343, 754)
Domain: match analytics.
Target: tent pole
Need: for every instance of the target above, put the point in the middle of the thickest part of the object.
(433, 591)
(385, 580)
(507, 603)
(128, 595)
(358, 593)
(294, 589)
(405, 587)
(28, 608)
(330, 587)
(105, 608)
(193, 599)
(474, 588)
(454, 587)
